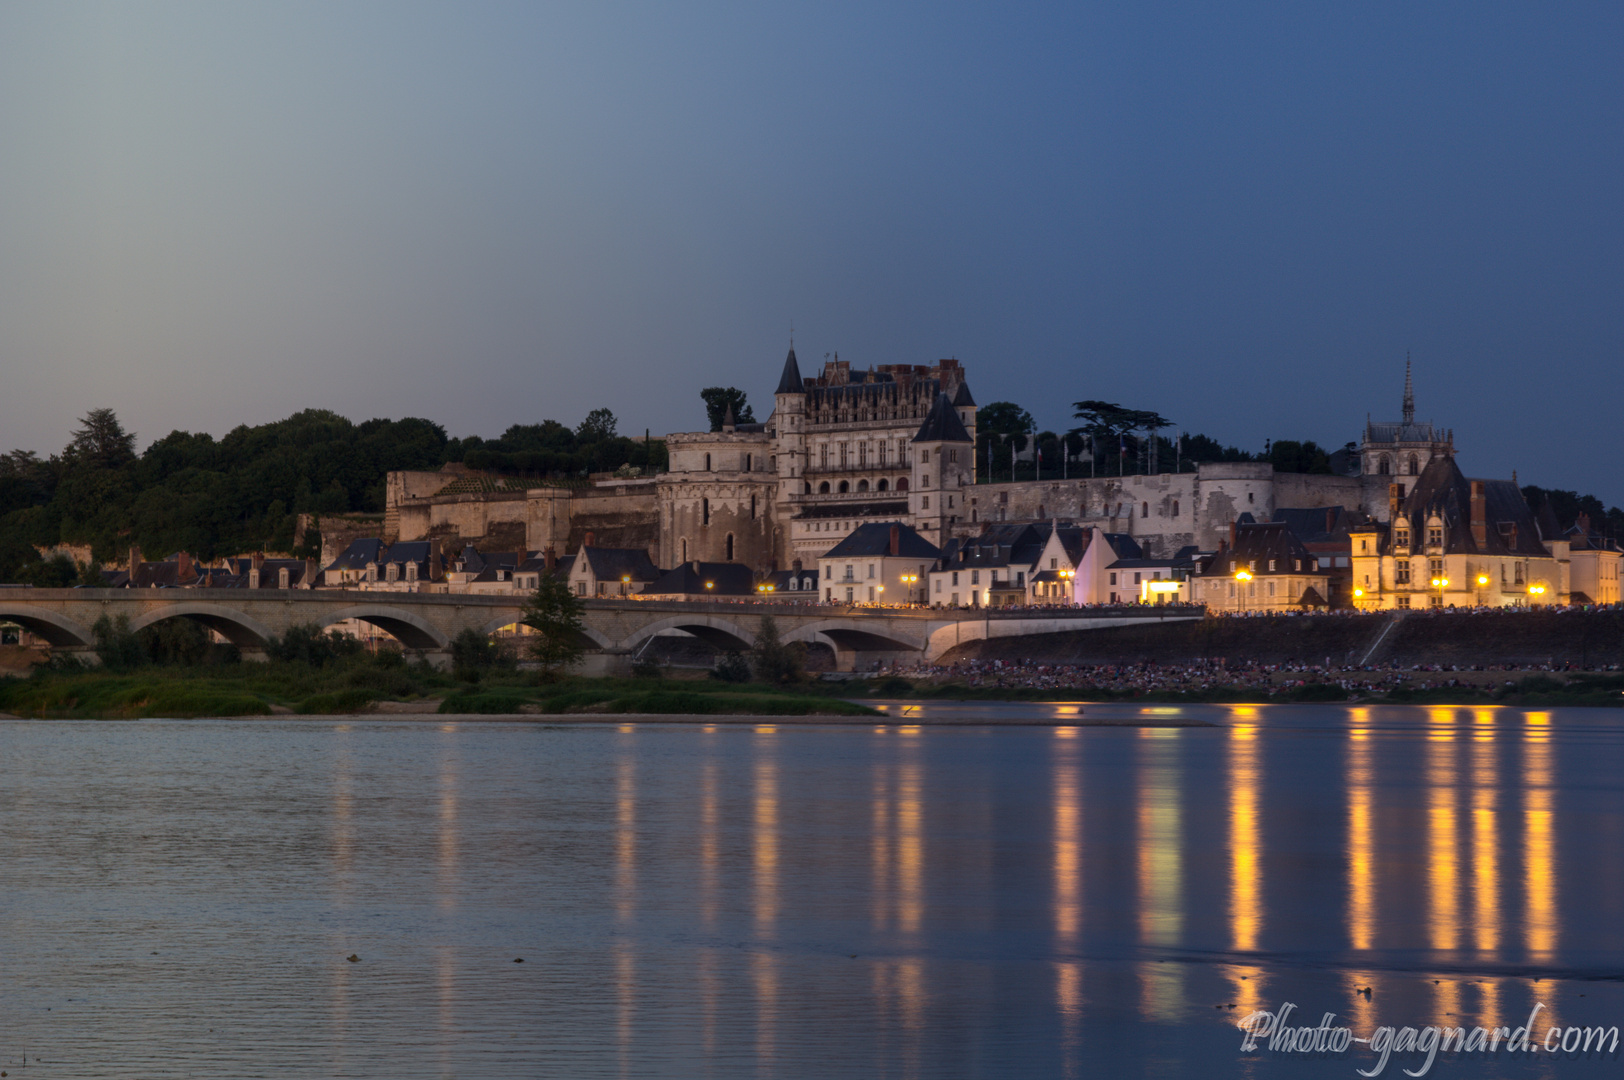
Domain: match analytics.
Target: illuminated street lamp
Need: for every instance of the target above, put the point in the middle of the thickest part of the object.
(1242, 575)
(1482, 583)
(1440, 583)
(1537, 589)
(910, 580)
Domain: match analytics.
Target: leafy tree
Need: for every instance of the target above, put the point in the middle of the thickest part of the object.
(554, 613)
(773, 660)
(1199, 448)
(598, 426)
(473, 654)
(1298, 457)
(101, 441)
(175, 642)
(997, 426)
(116, 646)
(717, 400)
(309, 644)
(57, 572)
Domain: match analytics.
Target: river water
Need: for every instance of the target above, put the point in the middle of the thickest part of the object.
(181, 897)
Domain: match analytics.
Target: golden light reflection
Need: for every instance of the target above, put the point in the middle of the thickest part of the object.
(710, 842)
(1246, 987)
(1485, 835)
(1443, 855)
(1161, 868)
(1361, 1010)
(625, 835)
(1068, 993)
(447, 860)
(1539, 837)
(910, 841)
(1245, 775)
(1361, 838)
(764, 963)
(1067, 856)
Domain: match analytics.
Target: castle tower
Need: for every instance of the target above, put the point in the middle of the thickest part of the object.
(1406, 447)
(943, 466)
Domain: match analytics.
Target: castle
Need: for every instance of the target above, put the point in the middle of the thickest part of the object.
(847, 447)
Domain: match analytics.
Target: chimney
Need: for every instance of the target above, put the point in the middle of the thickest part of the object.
(796, 564)
(1330, 519)
(1583, 522)
(1395, 495)
(258, 561)
(135, 558)
(588, 541)
(552, 557)
(183, 571)
(1480, 515)
(896, 540)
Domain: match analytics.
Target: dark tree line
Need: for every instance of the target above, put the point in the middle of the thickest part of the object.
(244, 491)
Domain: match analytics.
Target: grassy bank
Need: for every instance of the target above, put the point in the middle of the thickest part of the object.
(354, 684)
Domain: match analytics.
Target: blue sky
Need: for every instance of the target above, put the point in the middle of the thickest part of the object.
(1239, 215)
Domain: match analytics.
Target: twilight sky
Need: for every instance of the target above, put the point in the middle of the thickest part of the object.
(1240, 215)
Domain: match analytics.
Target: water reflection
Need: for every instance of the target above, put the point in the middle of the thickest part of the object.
(1361, 854)
(1443, 879)
(1245, 777)
(1161, 869)
(1539, 840)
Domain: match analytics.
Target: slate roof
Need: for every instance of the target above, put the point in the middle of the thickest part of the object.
(1442, 490)
(614, 564)
(942, 424)
(873, 539)
(805, 581)
(790, 381)
(359, 553)
(727, 579)
(1258, 542)
(962, 399)
(997, 546)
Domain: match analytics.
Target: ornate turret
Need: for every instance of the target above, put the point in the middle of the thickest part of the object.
(1409, 393)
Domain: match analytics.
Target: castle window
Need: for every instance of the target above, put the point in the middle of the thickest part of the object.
(882, 485)
(684, 549)
(728, 547)
(842, 455)
(707, 463)
(1435, 536)
(1385, 466)
(1402, 538)
(844, 487)
(862, 485)
(1175, 508)
(1144, 509)
(393, 572)
(924, 457)
(1401, 572)
(809, 487)
(902, 483)
(749, 462)
(823, 455)
(1271, 566)
(823, 488)
(752, 508)
(1415, 465)
(925, 479)
(411, 572)
(924, 504)
(952, 455)
(704, 511)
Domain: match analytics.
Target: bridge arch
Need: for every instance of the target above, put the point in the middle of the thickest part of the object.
(598, 639)
(717, 630)
(411, 630)
(852, 635)
(57, 630)
(228, 622)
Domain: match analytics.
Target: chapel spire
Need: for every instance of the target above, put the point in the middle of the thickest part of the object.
(1409, 393)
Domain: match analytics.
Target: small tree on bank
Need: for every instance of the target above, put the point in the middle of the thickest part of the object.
(775, 661)
(554, 613)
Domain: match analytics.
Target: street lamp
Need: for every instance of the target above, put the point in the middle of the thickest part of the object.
(910, 580)
(1440, 583)
(1242, 575)
(1536, 589)
(1482, 583)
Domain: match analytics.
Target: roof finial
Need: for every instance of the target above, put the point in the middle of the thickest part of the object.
(1409, 391)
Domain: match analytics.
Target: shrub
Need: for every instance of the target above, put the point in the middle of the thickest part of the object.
(473, 654)
(772, 660)
(308, 644)
(731, 667)
(116, 646)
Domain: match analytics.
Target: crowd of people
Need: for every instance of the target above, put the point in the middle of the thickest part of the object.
(1207, 675)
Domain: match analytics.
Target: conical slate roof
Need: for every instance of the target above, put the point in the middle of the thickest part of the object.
(963, 399)
(790, 381)
(943, 424)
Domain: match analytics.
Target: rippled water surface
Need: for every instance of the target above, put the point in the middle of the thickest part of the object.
(181, 898)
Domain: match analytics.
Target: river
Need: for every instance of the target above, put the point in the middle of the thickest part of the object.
(182, 898)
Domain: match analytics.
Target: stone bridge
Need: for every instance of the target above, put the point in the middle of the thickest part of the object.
(615, 629)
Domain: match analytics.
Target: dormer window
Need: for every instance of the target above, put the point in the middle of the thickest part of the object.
(1271, 566)
(1401, 537)
(393, 573)
(1435, 535)
(282, 578)
(411, 571)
